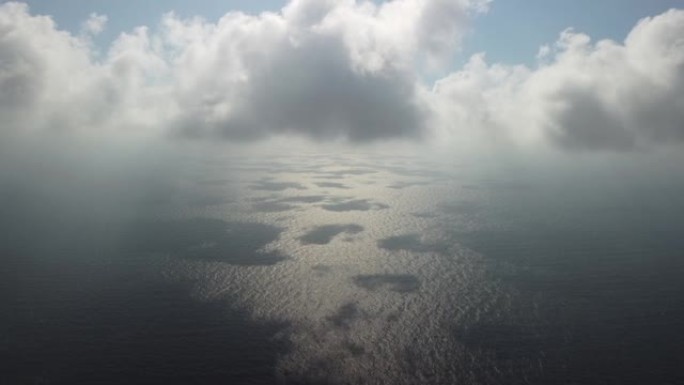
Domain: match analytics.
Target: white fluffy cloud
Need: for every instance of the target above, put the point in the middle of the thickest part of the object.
(339, 69)
(95, 24)
(582, 95)
(324, 69)
(51, 83)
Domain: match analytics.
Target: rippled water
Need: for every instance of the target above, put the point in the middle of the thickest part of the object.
(355, 269)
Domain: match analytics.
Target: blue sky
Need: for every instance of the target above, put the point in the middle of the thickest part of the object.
(511, 32)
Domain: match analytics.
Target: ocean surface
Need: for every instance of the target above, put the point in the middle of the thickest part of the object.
(350, 269)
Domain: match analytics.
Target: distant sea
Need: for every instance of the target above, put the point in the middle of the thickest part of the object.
(349, 269)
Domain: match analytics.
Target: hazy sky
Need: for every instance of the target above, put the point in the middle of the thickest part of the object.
(515, 73)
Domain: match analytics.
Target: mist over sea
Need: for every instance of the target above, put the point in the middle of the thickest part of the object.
(345, 269)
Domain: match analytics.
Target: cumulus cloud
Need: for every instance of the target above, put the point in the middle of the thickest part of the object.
(51, 83)
(582, 95)
(326, 69)
(322, 69)
(338, 69)
(95, 24)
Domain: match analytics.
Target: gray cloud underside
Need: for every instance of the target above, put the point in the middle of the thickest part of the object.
(312, 90)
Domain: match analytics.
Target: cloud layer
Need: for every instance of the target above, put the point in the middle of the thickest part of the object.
(339, 69)
(582, 95)
(324, 69)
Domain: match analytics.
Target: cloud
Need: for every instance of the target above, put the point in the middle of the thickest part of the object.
(337, 69)
(95, 24)
(325, 70)
(582, 95)
(52, 84)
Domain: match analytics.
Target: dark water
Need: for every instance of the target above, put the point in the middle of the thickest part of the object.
(351, 270)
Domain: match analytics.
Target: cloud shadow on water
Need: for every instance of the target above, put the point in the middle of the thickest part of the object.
(303, 199)
(346, 315)
(236, 243)
(400, 283)
(332, 185)
(410, 242)
(271, 207)
(404, 184)
(333, 174)
(266, 185)
(274, 205)
(322, 235)
(355, 205)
